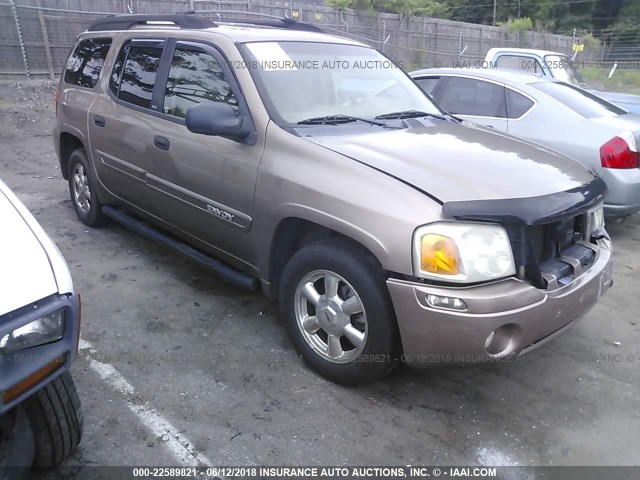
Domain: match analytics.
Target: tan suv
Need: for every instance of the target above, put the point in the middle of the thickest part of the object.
(312, 166)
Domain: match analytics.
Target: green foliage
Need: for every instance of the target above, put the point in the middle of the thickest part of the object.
(625, 29)
(340, 5)
(590, 42)
(522, 24)
(618, 17)
(407, 8)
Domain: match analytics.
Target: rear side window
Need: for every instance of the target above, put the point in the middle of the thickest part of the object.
(139, 74)
(468, 96)
(578, 100)
(517, 104)
(85, 64)
(517, 62)
(195, 77)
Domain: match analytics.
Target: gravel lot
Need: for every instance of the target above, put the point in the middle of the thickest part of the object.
(215, 363)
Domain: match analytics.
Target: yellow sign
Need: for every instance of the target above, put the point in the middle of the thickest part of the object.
(295, 13)
(318, 16)
(578, 47)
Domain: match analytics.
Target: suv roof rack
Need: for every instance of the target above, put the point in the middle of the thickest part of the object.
(125, 22)
(271, 20)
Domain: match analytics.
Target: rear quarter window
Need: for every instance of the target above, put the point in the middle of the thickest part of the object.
(86, 61)
(517, 104)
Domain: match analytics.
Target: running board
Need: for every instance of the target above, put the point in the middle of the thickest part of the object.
(225, 272)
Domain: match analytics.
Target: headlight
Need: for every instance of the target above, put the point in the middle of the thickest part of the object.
(46, 329)
(597, 222)
(462, 252)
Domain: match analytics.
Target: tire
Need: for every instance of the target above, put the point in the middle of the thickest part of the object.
(360, 314)
(56, 419)
(83, 190)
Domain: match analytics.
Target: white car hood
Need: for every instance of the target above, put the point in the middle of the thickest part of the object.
(31, 266)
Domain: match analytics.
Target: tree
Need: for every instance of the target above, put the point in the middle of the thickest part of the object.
(409, 8)
(340, 5)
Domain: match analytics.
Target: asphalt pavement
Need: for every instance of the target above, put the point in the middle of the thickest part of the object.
(177, 368)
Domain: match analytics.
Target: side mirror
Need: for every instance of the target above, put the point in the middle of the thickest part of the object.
(217, 118)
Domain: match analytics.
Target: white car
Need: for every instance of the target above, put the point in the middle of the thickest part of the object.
(41, 417)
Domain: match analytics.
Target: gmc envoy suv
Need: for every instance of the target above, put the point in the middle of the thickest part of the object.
(310, 165)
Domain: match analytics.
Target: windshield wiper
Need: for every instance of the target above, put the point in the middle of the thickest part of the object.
(409, 114)
(337, 120)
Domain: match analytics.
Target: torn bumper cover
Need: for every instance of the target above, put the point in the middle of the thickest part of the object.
(562, 272)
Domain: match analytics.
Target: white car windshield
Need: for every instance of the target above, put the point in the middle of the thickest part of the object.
(304, 80)
(564, 69)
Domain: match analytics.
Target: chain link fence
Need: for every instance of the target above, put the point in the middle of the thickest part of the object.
(37, 35)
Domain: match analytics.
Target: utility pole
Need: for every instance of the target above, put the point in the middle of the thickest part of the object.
(495, 2)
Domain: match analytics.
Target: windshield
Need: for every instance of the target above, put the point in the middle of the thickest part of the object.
(304, 80)
(563, 69)
(579, 100)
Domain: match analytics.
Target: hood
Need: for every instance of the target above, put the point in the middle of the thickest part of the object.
(452, 162)
(27, 274)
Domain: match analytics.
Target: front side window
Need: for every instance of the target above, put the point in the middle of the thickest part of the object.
(85, 64)
(139, 74)
(195, 77)
(303, 80)
(468, 96)
(579, 100)
(427, 84)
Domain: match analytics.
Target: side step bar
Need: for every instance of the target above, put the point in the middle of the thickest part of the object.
(225, 272)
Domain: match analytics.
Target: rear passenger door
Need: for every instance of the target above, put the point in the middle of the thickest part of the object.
(203, 185)
(121, 122)
(478, 101)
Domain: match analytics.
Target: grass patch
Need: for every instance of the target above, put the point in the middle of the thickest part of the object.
(623, 80)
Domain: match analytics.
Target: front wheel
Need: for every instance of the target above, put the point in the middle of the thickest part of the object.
(56, 419)
(338, 312)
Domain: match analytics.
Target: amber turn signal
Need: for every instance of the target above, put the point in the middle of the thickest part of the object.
(439, 254)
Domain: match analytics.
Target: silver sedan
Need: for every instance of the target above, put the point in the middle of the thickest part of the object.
(554, 114)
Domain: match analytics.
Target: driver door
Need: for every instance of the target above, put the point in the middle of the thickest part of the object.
(202, 185)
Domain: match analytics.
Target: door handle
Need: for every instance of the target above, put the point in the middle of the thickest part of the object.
(98, 121)
(161, 142)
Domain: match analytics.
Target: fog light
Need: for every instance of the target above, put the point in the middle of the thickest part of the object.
(446, 302)
(504, 340)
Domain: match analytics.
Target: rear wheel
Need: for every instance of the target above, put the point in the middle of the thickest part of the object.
(82, 188)
(56, 419)
(338, 312)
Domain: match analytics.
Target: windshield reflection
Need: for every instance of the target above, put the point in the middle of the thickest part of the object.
(304, 80)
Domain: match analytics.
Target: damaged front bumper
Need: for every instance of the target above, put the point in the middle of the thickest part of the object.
(502, 320)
